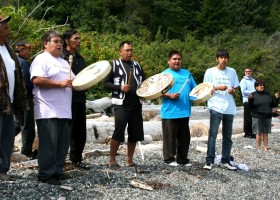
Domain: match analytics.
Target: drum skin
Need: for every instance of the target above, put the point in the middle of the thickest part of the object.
(91, 75)
(155, 86)
(201, 93)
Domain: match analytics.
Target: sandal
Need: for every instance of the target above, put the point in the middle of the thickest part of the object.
(81, 165)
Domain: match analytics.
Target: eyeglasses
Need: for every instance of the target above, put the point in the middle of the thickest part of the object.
(248, 71)
(57, 41)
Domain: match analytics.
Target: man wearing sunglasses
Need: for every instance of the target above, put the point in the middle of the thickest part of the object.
(247, 87)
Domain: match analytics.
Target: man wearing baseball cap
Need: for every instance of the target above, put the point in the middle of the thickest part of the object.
(13, 97)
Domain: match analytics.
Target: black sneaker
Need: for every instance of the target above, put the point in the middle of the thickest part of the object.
(61, 177)
(34, 155)
(81, 165)
(50, 181)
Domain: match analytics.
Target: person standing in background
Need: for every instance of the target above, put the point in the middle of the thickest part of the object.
(13, 97)
(78, 129)
(27, 123)
(261, 104)
(247, 87)
(175, 113)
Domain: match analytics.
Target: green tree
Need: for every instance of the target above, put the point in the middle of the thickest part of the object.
(213, 18)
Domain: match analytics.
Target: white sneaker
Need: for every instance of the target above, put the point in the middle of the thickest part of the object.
(188, 165)
(208, 166)
(173, 164)
(228, 166)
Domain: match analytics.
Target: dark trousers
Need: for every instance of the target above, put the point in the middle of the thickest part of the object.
(215, 120)
(53, 146)
(247, 126)
(28, 130)
(7, 138)
(78, 134)
(176, 140)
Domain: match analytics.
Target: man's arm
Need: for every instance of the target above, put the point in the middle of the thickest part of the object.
(48, 83)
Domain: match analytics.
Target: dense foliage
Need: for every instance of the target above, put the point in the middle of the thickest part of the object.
(197, 28)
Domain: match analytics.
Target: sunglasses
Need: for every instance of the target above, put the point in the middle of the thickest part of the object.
(261, 85)
(248, 71)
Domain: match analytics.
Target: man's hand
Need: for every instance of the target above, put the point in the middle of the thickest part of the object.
(231, 90)
(66, 83)
(125, 88)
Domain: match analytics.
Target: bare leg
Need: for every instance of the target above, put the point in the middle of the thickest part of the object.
(258, 141)
(265, 141)
(130, 151)
(114, 146)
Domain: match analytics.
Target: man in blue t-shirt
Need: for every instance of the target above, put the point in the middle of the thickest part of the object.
(175, 113)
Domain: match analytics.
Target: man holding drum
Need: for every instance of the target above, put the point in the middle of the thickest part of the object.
(175, 113)
(222, 108)
(78, 134)
(124, 78)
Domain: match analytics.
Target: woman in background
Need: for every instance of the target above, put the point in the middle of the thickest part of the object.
(261, 104)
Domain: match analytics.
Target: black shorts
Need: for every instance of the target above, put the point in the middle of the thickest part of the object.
(133, 118)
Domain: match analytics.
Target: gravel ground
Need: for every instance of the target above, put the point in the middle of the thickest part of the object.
(261, 182)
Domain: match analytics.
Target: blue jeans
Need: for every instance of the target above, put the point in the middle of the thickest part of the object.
(215, 119)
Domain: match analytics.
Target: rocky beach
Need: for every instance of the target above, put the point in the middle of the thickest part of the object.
(155, 180)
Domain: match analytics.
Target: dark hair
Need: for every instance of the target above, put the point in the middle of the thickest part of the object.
(123, 43)
(259, 82)
(21, 45)
(222, 53)
(67, 35)
(46, 37)
(172, 53)
(248, 68)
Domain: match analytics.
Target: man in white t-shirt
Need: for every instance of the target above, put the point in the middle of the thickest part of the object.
(222, 108)
(52, 107)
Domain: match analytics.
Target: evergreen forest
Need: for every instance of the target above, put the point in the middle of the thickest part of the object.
(248, 29)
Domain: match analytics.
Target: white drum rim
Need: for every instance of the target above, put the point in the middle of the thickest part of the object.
(106, 68)
(158, 93)
(205, 97)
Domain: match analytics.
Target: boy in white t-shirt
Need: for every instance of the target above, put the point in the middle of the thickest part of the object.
(222, 108)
